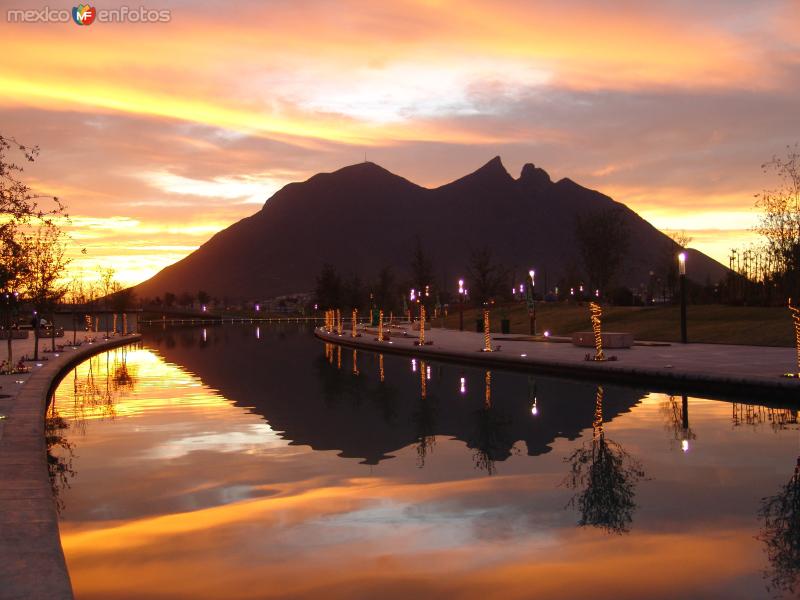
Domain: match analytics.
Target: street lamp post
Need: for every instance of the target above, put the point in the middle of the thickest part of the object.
(531, 301)
(461, 305)
(682, 273)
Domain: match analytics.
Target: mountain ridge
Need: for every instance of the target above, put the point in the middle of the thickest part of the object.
(363, 217)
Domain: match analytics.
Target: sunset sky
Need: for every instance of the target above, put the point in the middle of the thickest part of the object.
(158, 135)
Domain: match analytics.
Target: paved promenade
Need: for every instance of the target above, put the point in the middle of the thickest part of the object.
(713, 368)
(32, 563)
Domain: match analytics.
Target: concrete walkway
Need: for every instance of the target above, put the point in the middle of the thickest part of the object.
(716, 368)
(31, 560)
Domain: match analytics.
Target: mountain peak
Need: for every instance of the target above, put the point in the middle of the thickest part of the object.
(533, 178)
(490, 173)
(493, 166)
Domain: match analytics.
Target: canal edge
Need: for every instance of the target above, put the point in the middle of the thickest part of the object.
(783, 391)
(32, 563)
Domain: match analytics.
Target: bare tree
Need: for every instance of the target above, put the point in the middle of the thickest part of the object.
(44, 285)
(780, 218)
(19, 207)
(421, 269)
(603, 239)
(106, 289)
(486, 277)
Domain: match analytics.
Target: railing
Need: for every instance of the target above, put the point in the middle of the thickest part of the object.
(239, 320)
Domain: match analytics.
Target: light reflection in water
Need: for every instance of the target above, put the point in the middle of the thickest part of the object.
(251, 460)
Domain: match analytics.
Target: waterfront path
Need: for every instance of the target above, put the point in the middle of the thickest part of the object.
(715, 368)
(31, 559)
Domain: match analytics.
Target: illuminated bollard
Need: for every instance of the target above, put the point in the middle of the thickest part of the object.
(596, 313)
(380, 326)
(338, 321)
(421, 341)
(354, 333)
(487, 338)
(796, 321)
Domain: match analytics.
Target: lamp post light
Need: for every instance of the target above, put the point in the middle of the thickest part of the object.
(682, 273)
(461, 305)
(531, 301)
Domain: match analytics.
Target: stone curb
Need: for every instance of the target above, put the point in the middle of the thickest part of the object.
(656, 379)
(32, 564)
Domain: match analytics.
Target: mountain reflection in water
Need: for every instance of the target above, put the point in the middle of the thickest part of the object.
(280, 467)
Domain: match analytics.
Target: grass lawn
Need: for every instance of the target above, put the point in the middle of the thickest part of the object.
(759, 326)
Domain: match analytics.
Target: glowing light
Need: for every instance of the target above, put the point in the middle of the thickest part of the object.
(338, 321)
(421, 325)
(596, 314)
(521, 288)
(685, 445)
(523, 355)
(413, 295)
(546, 333)
(796, 320)
(204, 308)
(380, 326)
(258, 333)
(413, 365)
(353, 333)
(682, 263)
(258, 307)
(463, 387)
(534, 408)
(205, 335)
(428, 372)
(487, 339)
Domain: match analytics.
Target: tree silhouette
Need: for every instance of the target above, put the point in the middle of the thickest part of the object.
(781, 535)
(603, 239)
(606, 476)
(487, 278)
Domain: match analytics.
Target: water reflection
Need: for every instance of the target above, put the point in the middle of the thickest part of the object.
(781, 535)
(372, 418)
(60, 453)
(424, 419)
(677, 421)
(605, 477)
(337, 474)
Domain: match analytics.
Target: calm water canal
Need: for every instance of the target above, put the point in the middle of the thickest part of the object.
(244, 462)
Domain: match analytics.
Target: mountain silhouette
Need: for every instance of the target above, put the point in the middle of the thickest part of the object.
(363, 217)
